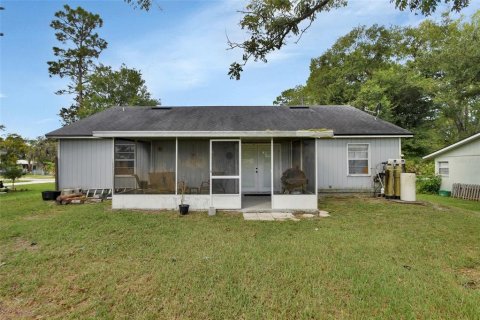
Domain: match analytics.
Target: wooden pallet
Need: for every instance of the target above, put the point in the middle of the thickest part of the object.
(466, 191)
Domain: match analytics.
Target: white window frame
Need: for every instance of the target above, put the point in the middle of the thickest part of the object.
(447, 167)
(134, 160)
(368, 161)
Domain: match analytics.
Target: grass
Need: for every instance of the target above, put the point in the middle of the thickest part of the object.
(370, 259)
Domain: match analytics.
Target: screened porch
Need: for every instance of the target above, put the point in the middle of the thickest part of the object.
(217, 171)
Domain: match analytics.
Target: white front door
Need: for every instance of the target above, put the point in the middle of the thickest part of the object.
(256, 164)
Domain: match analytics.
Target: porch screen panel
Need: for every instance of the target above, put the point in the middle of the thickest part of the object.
(132, 162)
(282, 160)
(297, 154)
(225, 186)
(294, 166)
(143, 160)
(161, 176)
(193, 165)
(225, 155)
(124, 167)
(225, 175)
(308, 164)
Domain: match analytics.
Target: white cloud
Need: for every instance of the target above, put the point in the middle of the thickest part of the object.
(2, 96)
(186, 56)
(192, 54)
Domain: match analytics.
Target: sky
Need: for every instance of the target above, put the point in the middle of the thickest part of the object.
(179, 46)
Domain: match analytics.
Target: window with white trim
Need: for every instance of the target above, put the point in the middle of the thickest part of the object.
(358, 159)
(124, 157)
(443, 169)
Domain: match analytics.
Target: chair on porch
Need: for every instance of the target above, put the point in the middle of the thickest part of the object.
(162, 182)
(141, 184)
(205, 187)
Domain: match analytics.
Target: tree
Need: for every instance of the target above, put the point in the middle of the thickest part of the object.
(292, 97)
(426, 78)
(337, 75)
(406, 102)
(12, 173)
(75, 30)
(14, 148)
(108, 87)
(42, 151)
(270, 23)
(451, 60)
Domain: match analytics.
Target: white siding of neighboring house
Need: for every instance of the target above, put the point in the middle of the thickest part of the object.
(85, 163)
(463, 165)
(333, 164)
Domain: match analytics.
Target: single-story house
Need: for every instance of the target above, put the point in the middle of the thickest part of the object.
(458, 163)
(227, 157)
(27, 166)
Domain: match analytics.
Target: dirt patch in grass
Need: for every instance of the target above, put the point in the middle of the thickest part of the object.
(24, 244)
(11, 312)
(471, 277)
(440, 207)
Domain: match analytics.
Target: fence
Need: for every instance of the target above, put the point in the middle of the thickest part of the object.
(466, 191)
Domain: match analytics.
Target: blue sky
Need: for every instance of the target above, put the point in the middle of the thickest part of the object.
(180, 49)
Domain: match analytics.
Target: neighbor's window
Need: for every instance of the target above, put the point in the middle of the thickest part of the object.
(124, 157)
(443, 168)
(358, 163)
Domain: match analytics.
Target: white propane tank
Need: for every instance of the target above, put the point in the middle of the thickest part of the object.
(407, 187)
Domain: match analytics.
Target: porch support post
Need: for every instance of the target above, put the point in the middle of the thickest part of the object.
(271, 172)
(316, 169)
(176, 166)
(113, 166)
(210, 181)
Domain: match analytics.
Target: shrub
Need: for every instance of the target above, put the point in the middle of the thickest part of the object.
(420, 167)
(429, 184)
(12, 173)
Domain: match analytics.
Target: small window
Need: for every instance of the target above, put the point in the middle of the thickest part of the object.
(443, 168)
(124, 158)
(358, 159)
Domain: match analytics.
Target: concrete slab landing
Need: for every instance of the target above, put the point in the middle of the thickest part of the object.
(269, 216)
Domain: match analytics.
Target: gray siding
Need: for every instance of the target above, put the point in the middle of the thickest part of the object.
(332, 162)
(463, 165)
(85, 163)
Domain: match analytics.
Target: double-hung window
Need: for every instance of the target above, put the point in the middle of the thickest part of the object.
(124, 157)
(443, 169)
(358, 159)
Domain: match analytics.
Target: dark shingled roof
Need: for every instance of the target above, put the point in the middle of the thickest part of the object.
(343, 120)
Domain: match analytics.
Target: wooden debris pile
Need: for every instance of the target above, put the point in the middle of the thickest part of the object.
(76, 198)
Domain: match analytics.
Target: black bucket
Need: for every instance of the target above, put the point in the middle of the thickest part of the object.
(50, 195)
(183, 209)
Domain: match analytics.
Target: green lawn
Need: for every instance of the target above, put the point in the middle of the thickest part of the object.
(370, 259)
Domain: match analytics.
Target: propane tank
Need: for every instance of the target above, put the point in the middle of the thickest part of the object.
(397, 171)
(389, 188)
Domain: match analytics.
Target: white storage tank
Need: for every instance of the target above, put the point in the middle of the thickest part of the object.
(407, 187)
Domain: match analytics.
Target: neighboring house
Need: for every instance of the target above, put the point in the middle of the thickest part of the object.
(26, 166)
(225, 155)
(458, 163)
